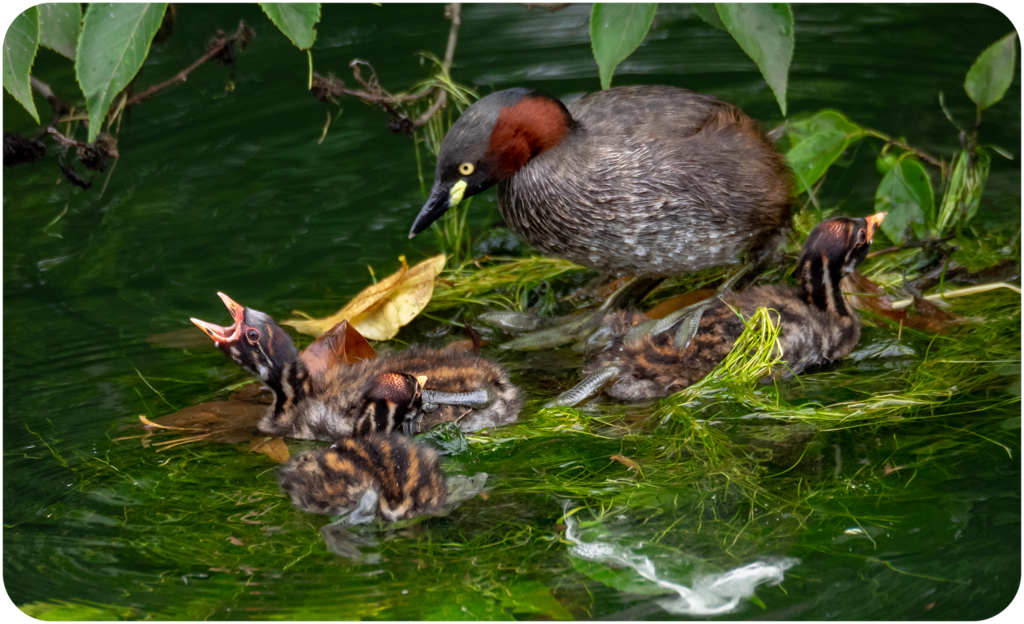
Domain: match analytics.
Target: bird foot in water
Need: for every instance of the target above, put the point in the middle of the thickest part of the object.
(432, 400)
(578, 327)
(555, 332)
(364, 512)
(477, 399)
(686, 321)
(585, 389)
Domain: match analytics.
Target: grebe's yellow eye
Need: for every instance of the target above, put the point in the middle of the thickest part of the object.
(466, 169)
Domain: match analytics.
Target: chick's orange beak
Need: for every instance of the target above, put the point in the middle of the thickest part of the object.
(237, 311)
(218, 333)
(873, 222)
(224, 334)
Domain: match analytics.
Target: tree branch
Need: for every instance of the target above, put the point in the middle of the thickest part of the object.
(217, 47)
(454, 10)
(329, 88)
(59, 106)
(928, 158)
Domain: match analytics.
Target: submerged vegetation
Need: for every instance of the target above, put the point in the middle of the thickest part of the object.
(850, 463)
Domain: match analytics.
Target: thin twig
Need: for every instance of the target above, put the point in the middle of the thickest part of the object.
(928, 158)
(455, 11)
(181, 76)
(928, 242)
(952, 294)
(372, 93)
(59, 106)
(63, 140)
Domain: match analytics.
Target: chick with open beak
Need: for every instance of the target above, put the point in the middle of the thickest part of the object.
(408, 391)
(254, 341)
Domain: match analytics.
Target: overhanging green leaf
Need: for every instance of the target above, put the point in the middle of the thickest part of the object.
(919, 185)
(20, 46)
(707, 12)
(59, 26)
(616, 30)
(111, 49)
(991, 74)
(905, 193)
(297, 21)
(822, 121)
(816, 143)
(810, 159)
(765, 33)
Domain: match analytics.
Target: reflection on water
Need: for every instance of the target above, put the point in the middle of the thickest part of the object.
(221, 190)
(712, 594)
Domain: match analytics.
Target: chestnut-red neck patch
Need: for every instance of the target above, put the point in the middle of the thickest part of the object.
(523, 130)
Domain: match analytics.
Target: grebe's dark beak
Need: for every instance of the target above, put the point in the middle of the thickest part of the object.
(442, 197)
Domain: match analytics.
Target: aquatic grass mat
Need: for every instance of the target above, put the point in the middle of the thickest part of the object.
(740, 494)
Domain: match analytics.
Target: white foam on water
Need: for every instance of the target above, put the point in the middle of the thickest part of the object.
(712, 594)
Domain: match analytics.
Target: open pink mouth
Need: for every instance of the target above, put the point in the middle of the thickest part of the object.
(224, 334)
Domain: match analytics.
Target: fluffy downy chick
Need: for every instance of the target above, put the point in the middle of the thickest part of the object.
(378, 395)
(403, 476)
(818, 326)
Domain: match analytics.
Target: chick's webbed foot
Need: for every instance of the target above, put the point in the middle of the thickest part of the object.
(364, 512)
(585, 389)
(477, 399)
(576, 327)
(687, 320)
(684, 321)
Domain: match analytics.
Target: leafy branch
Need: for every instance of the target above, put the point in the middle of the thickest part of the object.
(906, 191)
(763, 31)
(331, 89)
(219, 47)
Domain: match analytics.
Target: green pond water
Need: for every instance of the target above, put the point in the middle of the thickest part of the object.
(913, 515)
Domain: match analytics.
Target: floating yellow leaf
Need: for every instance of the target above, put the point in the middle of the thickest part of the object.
(379, 311)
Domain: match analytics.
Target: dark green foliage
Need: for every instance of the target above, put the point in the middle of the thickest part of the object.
(990, 76)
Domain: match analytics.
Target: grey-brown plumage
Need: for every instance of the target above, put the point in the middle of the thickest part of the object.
(643, 180)
(378, 395)
(333, 481)
(336, 404)
(818, 326)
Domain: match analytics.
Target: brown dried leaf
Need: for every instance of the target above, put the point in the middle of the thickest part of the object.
(863, 294)
(342, 345)
(216, 416)
(253, 393)
(150, 423)
(180, 339)
(930, 317)
(466, 345)
(379, 311)
(674, 304)
(228, 422)
(274, 448)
